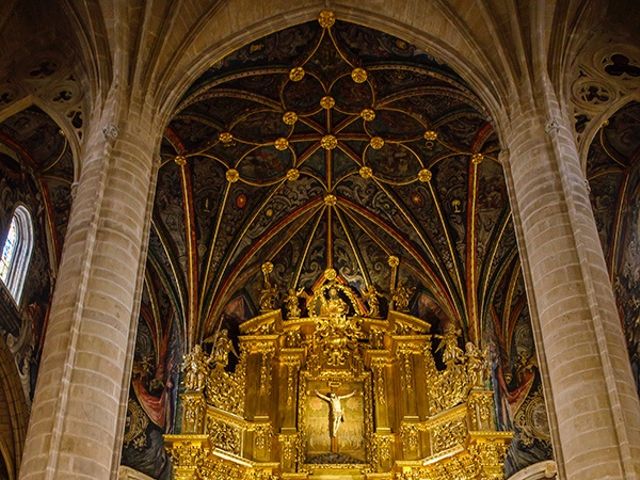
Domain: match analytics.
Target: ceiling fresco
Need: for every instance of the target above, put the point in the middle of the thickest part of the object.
(330, 145)
(613, 170)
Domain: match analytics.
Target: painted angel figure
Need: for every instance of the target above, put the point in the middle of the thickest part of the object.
(336, 414)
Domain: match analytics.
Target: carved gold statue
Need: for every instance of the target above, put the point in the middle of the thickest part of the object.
(222, 348)
(371, 295)
(292, 304)
(334, 305)
(476, 364)
(451, 352)
(269, 292)
(195, 366)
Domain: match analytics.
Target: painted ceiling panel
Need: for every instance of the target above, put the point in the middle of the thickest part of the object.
(332, 147)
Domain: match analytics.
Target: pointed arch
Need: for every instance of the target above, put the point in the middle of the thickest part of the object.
(16, 252)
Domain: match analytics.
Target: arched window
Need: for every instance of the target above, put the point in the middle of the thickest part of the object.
(16, 252)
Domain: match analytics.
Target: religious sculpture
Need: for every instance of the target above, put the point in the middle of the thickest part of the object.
(334, 305)
(336, 413)
(292, 304)
(476, 364)
(371, 295)
(222, 348)
(451, 352)
(269, 292)
(195, 367)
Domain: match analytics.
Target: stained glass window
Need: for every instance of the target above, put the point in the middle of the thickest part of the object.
(16, 252)
(8, 251)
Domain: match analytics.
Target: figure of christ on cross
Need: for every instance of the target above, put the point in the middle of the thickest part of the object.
(336, 414)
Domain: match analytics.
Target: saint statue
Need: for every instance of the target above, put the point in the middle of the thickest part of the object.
(372, 296)
(336, 414)
(293, 308)
(222, 348)
(195, 367)
(334, 305)
(268, 296)
(452, 353)
(476, 365)
(269, 292)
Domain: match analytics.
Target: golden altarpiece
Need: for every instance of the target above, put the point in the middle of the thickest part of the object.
(334, 391)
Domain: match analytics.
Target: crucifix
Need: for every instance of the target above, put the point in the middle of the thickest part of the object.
(336, 414)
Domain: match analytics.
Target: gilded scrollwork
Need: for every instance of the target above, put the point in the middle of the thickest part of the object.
(406, 362)
(224, 436)
(186, 454)
(448, 435)
(378, 380)
(263, 436)
(381, 449)
(265, 372)
(410, 433)
(225, 390)
(213, 468)
(480, 405)
(194, 410)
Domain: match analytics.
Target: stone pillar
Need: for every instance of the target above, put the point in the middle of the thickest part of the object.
(591, 398)
(77, 419)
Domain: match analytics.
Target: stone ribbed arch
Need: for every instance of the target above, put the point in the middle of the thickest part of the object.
(435, 27)
(143, 57)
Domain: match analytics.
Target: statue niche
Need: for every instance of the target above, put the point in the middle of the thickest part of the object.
(333, 391)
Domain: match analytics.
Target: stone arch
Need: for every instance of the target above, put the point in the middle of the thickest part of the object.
(21, 254)
(597, 123)
(447, 41)
(28, 100)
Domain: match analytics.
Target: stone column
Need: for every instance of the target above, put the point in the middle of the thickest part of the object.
(591, 397)
(77, 419)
